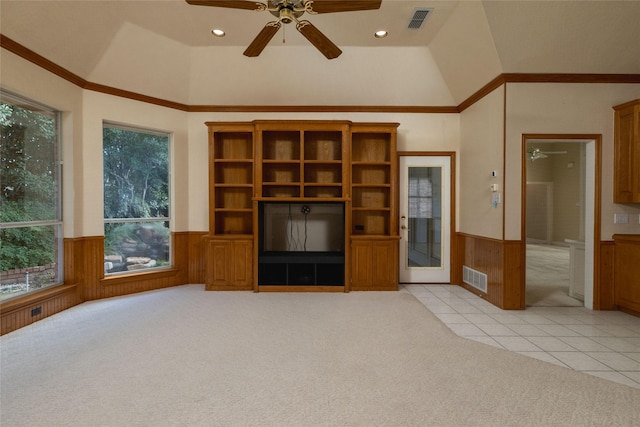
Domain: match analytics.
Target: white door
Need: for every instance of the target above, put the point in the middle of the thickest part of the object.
(425, 219)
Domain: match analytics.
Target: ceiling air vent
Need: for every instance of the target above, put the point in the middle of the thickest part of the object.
(419, 16)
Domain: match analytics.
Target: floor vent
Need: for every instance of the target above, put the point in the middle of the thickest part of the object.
(419, 16)
(474, 278)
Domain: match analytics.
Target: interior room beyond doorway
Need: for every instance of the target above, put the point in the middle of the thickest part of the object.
(557, 203)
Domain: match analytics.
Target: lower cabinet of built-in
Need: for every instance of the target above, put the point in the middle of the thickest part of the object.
(373, 266)
(229, 264)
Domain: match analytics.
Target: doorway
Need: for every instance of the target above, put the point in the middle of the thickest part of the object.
(425, 218)
(560, 193)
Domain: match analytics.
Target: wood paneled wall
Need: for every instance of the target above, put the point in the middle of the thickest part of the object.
(603, 295)
(21, 312)
(504, 264)
(501, 261)
(84, 279)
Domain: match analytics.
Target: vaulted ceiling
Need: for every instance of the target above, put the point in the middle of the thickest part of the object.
(470, 41)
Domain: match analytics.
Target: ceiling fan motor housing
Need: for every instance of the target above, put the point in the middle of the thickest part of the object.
(286, 10)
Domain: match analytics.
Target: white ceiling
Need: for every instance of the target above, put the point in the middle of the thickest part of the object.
(548, 36)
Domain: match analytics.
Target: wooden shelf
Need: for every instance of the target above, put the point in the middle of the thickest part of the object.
(233, 145)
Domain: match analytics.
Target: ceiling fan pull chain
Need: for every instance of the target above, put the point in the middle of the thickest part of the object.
(284, 34)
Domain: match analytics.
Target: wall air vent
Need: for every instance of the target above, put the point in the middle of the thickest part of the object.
(474, 278)
(418, 18)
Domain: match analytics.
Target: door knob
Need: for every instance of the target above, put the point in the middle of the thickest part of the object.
(402, 226)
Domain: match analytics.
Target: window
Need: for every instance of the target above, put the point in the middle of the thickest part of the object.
(30, 197)
(136, 199)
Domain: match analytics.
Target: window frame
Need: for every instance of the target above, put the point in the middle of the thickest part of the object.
(167, 219)
(57, 223)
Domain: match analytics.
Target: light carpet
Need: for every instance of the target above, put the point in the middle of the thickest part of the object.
(185, 357)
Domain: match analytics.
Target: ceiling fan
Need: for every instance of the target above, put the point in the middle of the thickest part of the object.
(536, 154)
(288, 11)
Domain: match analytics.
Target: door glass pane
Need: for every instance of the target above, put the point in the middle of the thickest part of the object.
(424, 237)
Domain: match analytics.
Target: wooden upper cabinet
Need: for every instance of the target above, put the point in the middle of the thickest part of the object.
(626, 188)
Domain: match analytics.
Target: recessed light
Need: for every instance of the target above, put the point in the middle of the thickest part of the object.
(218, 32)
(381, 34)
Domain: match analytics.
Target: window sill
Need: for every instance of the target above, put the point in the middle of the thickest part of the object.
(137, 276)
(22, 301)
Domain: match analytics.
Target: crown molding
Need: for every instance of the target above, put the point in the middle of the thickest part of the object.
(39, 60)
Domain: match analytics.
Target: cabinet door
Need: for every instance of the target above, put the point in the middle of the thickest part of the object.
(361, 259)
(626, 278)
(385, 264)
(230, 265)
(374, 265)
(626, 187)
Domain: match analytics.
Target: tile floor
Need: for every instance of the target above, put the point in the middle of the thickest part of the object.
(601, 343)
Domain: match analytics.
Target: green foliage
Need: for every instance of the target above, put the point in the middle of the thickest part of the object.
(136, 174)
(28, 175)
(26, 247)
(136, 185)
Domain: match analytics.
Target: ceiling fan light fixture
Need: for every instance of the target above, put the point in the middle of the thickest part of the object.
(218, 32)
(380, 34)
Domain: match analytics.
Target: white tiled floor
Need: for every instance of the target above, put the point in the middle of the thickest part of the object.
(601, 343)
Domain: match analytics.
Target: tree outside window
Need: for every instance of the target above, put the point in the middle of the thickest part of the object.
(30, 197)
(136, 199)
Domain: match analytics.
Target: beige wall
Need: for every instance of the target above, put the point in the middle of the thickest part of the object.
(84, 112)
(99, 108)
(481, 152)
(297, 75)
(23, 78)
(557, 108)
(477, 134)
(417, 132)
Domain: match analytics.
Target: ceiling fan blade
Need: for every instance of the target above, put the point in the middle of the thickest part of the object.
(319, 40)
(232, 4)
(329, 6)
(262, 39)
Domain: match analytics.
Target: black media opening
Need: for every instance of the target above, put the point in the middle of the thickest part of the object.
(301, 244)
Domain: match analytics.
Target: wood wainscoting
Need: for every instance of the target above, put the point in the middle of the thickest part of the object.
(603, 294)
(501, 261)
(84, 279)
(19, 312)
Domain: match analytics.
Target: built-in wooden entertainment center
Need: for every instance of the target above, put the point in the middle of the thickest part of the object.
(302, 206)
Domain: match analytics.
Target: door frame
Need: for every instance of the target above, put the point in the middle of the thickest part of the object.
(452, 204)
(596, 162)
